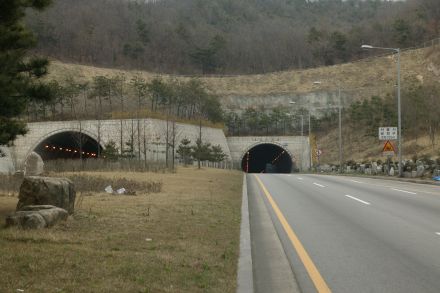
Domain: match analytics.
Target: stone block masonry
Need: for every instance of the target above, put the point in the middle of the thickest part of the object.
(104, 131)
(154, 132)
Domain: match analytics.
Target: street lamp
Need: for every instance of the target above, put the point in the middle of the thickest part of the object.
(302, 132)
(399, 114)
(340, 123)
(302, 119)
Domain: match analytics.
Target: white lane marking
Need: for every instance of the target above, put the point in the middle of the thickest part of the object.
(357, 199)
(356, 181)
(317, 184)
(438, 233)
(299, 178)
(403, 191)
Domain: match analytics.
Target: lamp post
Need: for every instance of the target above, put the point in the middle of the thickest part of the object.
(340, 123)
(399, 111)
(302, 132)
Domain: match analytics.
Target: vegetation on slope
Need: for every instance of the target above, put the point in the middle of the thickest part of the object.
(360, 81)
(229, 36)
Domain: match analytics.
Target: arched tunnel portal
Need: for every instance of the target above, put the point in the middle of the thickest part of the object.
(68, 145)
(267, 158)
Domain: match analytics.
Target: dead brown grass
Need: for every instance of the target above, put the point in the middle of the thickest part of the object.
(360, 148)
(362, 79)
(184, 239)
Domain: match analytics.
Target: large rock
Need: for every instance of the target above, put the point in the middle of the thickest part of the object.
(374, 168)
(391, 173)
(27, 220)
(58, 192)
(34, 165)
(37, 217)
(420, 170)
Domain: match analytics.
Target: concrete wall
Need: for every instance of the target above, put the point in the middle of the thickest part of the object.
(154, 132)
(311, 100)
(6, 161)
(110, 130)
(297, 146)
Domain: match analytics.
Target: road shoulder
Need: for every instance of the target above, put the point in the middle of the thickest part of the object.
(271, 269)
(245, 281)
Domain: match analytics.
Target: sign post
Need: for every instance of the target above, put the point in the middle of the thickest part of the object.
(388, 133)
(388, 151)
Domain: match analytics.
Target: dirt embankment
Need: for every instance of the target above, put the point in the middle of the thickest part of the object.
(357, 77)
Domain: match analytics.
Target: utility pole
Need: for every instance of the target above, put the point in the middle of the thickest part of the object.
(340, 123)
(302, 125)
(310, 133)
(399, 109)
(340, 130)
(310, 141)
(200, 141)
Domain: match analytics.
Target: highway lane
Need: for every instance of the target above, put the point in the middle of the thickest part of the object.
(362, 235)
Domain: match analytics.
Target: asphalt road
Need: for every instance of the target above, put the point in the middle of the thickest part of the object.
(346, 234)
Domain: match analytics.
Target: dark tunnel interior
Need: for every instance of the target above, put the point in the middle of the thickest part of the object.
(267, 158)
(68, 145)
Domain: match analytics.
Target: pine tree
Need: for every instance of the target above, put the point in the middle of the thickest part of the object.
(19, 74)
(185, 151)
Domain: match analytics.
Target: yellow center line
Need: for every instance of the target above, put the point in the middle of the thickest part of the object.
(319, 282)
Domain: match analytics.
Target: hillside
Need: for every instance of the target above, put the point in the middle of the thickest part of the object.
(359, 81)
(228, 36)
(363, 78)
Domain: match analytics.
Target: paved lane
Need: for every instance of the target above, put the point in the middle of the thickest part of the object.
(362, 235)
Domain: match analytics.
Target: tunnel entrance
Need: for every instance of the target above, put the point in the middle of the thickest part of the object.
(68, 145)
(267, 158)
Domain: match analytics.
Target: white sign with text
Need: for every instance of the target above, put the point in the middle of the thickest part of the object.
(387, 133)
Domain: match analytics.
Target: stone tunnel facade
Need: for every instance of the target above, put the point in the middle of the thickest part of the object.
(104, 131)
(297, 147)
(154, 132)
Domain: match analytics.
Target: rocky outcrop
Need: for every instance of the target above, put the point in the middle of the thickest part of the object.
(37, 217)
(57, 192)
(34, 165)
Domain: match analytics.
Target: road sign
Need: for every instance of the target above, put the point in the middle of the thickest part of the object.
(387, 133)
(388, 149)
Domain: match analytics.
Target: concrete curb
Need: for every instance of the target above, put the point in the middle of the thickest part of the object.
(245, 279)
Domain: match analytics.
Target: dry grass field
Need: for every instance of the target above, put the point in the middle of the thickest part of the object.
(183, 239)
(362, 79)
(360, 148)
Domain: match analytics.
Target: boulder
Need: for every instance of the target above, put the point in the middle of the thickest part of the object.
(53, 216)
(374, 168)
(379, 169)
(26, 220)
(58, 192)
(391, 172)
(37, 217)
(325, 168)
(420, 170)
(34, 165)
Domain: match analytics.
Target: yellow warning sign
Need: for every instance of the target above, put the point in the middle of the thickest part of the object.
(388, 149)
